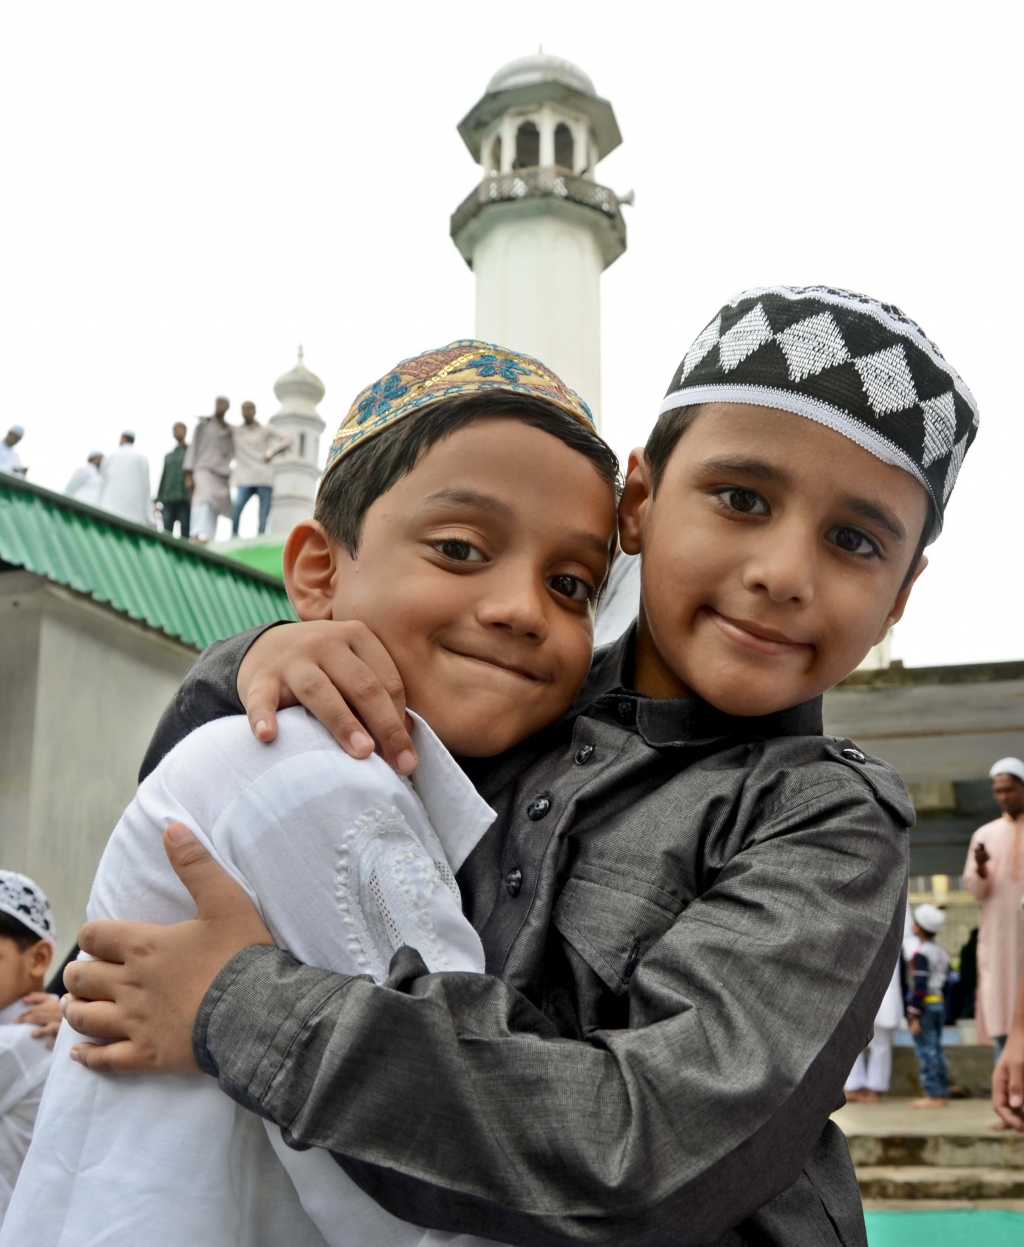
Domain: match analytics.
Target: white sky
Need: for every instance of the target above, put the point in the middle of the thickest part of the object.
(192, 189)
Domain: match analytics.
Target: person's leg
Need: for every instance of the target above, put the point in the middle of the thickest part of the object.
(168, 514)
(931, 1062)
(242, 495)
(204, 522)
(857, 1081)
(879, 1065)
(184, 509)
(264, 492)
(997, 1047)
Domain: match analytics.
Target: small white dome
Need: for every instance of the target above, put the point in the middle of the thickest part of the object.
(299, 383)
(530, 70)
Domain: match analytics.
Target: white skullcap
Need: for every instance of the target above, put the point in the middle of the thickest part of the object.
(26, 901)
(1008, 766)
(17, 428)
(129, 433)
(94, 454)
(928, 918)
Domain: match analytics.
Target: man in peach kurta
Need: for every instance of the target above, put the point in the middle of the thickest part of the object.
(994, 874)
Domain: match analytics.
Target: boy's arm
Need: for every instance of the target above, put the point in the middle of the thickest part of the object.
(919, 984)
(327, 666)
(454, 1102)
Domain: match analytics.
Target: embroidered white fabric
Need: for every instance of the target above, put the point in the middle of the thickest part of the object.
(346, 862)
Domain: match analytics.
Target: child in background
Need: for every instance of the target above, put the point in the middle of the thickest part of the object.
(926, 1006)
(26, 949)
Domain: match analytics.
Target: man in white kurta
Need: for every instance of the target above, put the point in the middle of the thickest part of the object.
(347, 862)
(994, 874)
(86, 483)
(124, 482)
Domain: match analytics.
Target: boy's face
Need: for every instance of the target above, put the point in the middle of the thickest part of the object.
(774, 555)
(21, 969)
(478, 572)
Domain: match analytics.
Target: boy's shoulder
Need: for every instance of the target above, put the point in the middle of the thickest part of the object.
(218, 761)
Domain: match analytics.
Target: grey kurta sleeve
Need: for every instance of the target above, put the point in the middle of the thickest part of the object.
(208, 691)
(452, 1100)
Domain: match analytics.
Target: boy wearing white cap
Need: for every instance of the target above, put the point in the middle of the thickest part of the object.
(994, 875)
(26, 949)
(926, 1007)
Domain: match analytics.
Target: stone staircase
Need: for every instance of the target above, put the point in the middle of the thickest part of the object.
(933, 1157)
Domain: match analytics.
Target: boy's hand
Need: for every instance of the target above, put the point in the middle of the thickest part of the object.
(43, 1013)
(342, 674)
(146, 987)
(915, 1025)
(1008, 1082)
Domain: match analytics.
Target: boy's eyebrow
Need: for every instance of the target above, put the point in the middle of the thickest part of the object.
(469, 498)
(748, 467)
(881, 515)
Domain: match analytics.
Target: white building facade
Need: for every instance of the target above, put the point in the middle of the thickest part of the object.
(539, 230)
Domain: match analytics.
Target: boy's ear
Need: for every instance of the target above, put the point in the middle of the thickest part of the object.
(39, 957)
(310, 567)
(633, 505)
(900, 605)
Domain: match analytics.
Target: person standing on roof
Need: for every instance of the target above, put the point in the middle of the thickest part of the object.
(124, 487)
(86, 482)
(207, 465)
(10, 460)
(255, 446)
(994, 875)
(173, 494)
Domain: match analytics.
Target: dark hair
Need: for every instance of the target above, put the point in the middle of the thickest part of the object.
(12, 929)
(348, 491)
(673, 424)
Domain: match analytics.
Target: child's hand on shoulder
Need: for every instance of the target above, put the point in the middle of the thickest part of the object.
(342, 674)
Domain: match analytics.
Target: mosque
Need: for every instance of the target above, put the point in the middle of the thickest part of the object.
(100, 617)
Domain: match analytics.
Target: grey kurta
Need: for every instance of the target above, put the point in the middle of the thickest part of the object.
(690, 921)
(208, 458)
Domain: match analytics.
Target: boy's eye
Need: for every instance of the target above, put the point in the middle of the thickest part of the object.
(852, 541)
(743, 500)
(571, 587)
(458, 551)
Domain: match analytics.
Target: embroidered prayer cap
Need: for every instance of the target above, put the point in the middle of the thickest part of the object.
(463, 367)
(856, 365)
(26, 901)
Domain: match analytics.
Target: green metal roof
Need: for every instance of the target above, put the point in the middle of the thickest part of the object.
(176, 586)
(266, 556)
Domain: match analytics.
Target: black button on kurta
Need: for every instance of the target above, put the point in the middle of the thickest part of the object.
(538, 807)
(514, 881)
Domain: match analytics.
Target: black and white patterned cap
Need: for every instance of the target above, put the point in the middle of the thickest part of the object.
(26, 901)
(859, 366)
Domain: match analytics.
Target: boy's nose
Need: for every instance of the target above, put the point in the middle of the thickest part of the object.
(784, 570)
(519, 607)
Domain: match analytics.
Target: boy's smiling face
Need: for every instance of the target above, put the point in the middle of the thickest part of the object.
(775, 552)
(478, 571)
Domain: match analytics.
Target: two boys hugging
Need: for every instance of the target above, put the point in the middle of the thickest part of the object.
(602, 979)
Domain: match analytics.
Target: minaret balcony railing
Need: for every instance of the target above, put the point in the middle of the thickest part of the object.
(541, 183)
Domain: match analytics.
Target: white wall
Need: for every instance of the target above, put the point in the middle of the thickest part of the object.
(88, 687)
(538, 289)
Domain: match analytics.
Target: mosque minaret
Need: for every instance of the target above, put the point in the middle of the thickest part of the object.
(296, 471)
(539, 230)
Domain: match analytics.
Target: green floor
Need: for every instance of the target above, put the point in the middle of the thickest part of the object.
(965, 1228)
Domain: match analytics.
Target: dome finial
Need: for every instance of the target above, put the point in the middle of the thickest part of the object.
(300, 353)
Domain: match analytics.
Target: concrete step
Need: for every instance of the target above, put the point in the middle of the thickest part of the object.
(939, 1182)
(988, 1151)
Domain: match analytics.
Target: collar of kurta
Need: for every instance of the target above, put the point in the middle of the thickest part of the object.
(665, 722)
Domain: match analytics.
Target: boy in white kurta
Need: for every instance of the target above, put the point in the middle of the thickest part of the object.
(480, 554)
(26, 948)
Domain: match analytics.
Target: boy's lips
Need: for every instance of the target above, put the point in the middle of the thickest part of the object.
(490, 661)
(757, 636)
